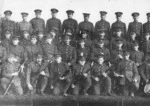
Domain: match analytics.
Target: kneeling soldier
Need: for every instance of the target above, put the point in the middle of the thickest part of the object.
(9, 70)
(82, 79)
(100, 77)
(36, 72)
(61, 75)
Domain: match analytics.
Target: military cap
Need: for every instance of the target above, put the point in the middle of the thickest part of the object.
(39, 56)
(135, 44)
(15, 37)
(135, 14)
(101, 31)
(68, 32)
(57, 55)
(8, 12)
(133, 33)
(147, 34)
(81, 40)
(40, 32)
(101, 41)
(67, 37)
(8, 32)
(86, 14)
(10, 55)
(54, 10)
(33, 36)
(82, 58)
(25, 31)
(101, 55)
(148, 14)
(24, 14)
(84, 31)
(119, 42)
(69, 11)
(126, 53)
(103, 13)
(37, 11)
(118, 14)
(118, 30)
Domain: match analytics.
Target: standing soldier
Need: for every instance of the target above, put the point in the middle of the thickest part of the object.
(103, 25)
(101, 81)
(136, 27)
(118, 25)
(68, 52)
(61, 75)
(146, 26)
(24, 25)
(8, 24)
(37, 76)
(127, 71)
(10, 70)
(82, 78)
(71, 24)
(18, 50)
(54, 23)
(38, 24)
(87, 25)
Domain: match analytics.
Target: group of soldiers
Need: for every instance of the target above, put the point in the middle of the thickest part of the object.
(74, 59)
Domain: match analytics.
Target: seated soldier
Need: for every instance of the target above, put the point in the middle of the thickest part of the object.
(25, 41)
(10, 70)
(128, 73)
(101, 81)
(61, 76)
(146, 44)
(37, 75)
(82, 80)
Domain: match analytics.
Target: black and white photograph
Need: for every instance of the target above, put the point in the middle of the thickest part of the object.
(74, 52)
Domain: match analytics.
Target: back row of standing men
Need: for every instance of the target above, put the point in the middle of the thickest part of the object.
(76, 44)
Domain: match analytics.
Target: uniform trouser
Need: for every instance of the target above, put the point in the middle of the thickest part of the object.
(42, 83)
(105, 83)
(128, 88)
(83, 85)
(61, 86)
(15, 88)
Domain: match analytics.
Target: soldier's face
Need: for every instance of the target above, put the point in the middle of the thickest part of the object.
(118, 33)
(147, 37)
(119, 45)
(54, 15)
(11, 59)
(133, 36)
(39, 60)
(58, 59)
(136, 18)
(24, 18)
(67, 41)
(26, 35)
(8, 17)
(8, 36)
(101, 45)
(49, 40)
(136, 48)
(102, 35)
(41, 35)
(82, 62)
(53, 34)
(82, 44)
(84, 35)
(70, 15)
(119, 18)
(15, 41)
(148, 18)
(126, 57)
(38, 15)
(33, 40)
(103, 17)
(86, 18)
(100, 60)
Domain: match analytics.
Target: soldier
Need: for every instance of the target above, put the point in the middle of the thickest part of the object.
(146, 26)
(136, 27)
(131, 41)
(24, 25)
(101, 81)
(8, 24)
(33, 49)
(136, 55)
(40, 39)
(37, 76)
(7, 40)
(87, 25)
(25, 41)
(83, 50)
(82, 78)
(61, 75)
(101, 36)
(10, 70)
(103, 25)
(68, 52)
(100, 49)
(71, 24)
(38, 24)
(54, 23)
(114, 40)
(127, 71)
(3, 54)
(118, 25)
(18, 50)
(146, 44)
